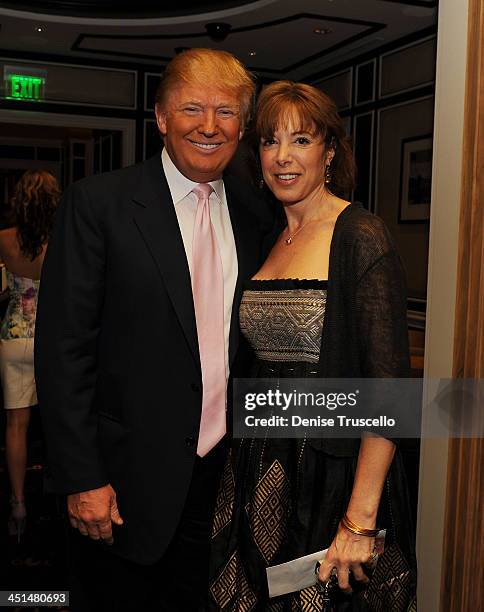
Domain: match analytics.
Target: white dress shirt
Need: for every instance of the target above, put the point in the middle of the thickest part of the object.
(185, 202)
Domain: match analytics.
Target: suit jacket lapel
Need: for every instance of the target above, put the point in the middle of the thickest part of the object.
(247, 257)
(155, 217)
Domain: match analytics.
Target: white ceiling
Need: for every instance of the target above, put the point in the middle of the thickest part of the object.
(275, 38)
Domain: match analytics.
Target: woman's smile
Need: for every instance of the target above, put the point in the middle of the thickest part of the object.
(287, 179)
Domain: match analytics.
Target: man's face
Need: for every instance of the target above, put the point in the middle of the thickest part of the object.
(201, 127)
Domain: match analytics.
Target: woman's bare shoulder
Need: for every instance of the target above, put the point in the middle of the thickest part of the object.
(337, 207)
(15, 261)
(9, 245)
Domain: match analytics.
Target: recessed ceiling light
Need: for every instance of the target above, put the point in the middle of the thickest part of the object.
(322, 30)
(252, 53)
(39, 29)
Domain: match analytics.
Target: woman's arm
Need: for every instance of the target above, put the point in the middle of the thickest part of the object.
(374, 460)
(349, 551)
(383, 337)
(13, 258)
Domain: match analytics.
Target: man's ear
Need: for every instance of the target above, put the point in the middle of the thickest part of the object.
(160, 119)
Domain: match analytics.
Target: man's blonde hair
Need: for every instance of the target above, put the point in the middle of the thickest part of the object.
(209, 67)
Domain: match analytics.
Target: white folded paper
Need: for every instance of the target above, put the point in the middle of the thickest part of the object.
(299, 573)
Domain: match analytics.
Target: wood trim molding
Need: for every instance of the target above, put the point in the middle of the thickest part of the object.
(469, 343)
(463, 571)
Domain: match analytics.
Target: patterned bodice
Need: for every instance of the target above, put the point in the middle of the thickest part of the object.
(283, 319)
(19, 321)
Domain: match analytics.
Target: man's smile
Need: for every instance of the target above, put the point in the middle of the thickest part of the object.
(207, 146)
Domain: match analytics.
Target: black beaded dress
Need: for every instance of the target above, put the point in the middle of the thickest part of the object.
(281, 499)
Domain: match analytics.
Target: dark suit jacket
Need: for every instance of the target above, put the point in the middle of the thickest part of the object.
(116, 352)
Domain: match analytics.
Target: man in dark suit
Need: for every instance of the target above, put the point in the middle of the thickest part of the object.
(137, 335)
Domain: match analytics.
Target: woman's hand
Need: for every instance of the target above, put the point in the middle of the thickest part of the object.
(348, 552)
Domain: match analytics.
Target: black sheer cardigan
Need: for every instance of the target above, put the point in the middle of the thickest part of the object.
(365, 333)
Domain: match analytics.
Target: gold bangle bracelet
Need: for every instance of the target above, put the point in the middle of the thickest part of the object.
(356, 529)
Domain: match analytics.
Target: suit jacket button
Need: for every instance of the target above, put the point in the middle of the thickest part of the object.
(190, 441)
(195, 387)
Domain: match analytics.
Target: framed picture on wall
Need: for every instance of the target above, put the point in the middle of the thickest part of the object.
(415, 179)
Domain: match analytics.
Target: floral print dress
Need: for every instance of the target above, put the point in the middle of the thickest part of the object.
(17, 343)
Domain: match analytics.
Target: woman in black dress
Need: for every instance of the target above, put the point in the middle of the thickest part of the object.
(328, 302)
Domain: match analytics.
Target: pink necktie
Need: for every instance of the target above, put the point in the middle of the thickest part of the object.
(208, 299)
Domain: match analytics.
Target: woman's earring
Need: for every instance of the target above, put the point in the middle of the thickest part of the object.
(327, 175)
(261, 183)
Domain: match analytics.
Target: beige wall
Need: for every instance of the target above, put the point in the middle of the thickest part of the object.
(442, 286)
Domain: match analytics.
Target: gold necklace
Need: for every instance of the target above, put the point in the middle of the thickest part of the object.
(289, 240)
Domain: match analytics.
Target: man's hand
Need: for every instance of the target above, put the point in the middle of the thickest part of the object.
(92, 512)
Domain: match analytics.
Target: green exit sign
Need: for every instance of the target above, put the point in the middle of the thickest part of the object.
(24, 83)
(25, 87)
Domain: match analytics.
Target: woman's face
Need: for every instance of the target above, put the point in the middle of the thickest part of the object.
(293, 163)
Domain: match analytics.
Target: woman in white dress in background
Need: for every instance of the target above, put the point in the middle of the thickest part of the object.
(24, 234)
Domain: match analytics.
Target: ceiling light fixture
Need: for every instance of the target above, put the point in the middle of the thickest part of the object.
(39, 29)
(252, 53)
(218, 31)
(322, 31)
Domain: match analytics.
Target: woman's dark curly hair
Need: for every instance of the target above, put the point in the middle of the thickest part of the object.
(285, 102)
(34, 204)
